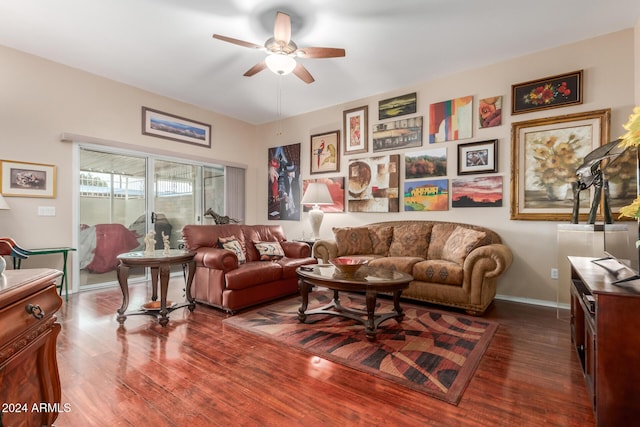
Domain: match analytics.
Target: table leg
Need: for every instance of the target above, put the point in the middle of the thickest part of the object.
(123, 279)
(397, 307)
(65, 280)
(154, 283)
(192, 272)
(370, 327)
(165, 270)
(304, 293)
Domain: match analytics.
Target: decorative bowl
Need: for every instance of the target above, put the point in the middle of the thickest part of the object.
(348, 266)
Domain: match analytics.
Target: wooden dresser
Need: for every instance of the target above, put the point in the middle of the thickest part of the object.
(29, 380)
(605, 334)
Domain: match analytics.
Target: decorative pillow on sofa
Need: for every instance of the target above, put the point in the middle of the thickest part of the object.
(381, 239)
(232, 244)
(269, 251)
(353, 241)
(410, 240)
(460, 243)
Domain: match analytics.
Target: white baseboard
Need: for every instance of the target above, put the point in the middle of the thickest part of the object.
(540, 302)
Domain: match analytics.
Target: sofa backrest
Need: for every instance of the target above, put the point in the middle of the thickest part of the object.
(197, 236)
(439, 232)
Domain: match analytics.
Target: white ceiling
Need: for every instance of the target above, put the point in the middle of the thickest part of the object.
(165, 46)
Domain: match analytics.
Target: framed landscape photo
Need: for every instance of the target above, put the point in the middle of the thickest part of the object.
(397, 106)
(356, 130)
(545, 156)
(478, 157)
(551, 92)
(325, 152)
(23, 179)
(167, 126)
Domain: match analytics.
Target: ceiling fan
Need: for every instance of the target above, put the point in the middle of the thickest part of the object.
(282, 51)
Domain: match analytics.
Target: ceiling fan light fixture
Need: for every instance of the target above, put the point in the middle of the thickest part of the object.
(280, 64)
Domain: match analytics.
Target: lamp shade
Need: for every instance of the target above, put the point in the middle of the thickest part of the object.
(3, 203)
(280, 63)
(317, 193)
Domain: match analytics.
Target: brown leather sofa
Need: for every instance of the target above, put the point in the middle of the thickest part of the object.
(224, 280)
(452, 264)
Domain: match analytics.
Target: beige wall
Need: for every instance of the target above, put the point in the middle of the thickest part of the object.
(608, 64)
(41, 100)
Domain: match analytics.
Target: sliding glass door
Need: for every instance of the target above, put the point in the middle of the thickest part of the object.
(124, 196)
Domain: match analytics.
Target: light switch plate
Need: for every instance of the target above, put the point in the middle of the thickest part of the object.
(46, 211)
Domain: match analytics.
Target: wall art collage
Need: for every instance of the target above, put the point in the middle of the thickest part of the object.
(545, 154)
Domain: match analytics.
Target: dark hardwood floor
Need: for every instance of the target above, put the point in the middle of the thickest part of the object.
(197, 372)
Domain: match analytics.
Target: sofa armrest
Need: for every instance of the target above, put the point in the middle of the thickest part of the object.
(325, 250)
(295, 249)
(216, 258)
(488, 261)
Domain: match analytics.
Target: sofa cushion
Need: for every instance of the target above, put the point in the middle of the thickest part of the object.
(381, 238)
(251, 274)
(460, 243)
(438, 271)
(233, 244)
(290, 265)
(411, 240)
(269, 251)
(353, 240)
(403, 263)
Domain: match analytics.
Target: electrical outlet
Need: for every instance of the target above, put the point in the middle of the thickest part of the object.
(554, 273)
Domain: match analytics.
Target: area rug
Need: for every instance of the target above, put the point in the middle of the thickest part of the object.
(431, 351)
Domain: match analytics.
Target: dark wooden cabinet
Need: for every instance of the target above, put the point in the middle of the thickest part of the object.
(29, 381)
(606, 335)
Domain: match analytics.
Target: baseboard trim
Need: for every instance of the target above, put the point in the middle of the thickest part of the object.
(540, 302)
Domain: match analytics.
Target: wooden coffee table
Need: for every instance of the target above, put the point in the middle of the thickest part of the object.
(370, 280)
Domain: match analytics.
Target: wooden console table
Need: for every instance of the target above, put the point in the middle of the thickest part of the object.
(607, 341)
(29, 379)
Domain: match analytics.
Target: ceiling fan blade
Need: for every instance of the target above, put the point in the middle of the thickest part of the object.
(255, 69)
(303, 73)
(282, 28)
(236, 41)
(320, 52)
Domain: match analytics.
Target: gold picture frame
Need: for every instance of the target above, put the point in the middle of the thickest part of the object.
(325, 152)
(545, 155)
(26, 179)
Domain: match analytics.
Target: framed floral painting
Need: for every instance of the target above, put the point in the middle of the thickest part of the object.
(356, 126)
(551, 92)
(545, 156)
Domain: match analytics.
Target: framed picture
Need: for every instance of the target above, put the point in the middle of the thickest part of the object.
(429, 195)
(283, 185)
(476, 192)
(425, 164)
(325, 152)
(403, 133)
(167, 126)
(373, 184)
(397, 106)
(336, 189)
(545, 155)
(478, 157)
(22, 179)
(551, 92)
(356, 130)
(490, 112)
(451, 120)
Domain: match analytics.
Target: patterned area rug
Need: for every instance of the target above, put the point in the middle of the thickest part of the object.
(431, 351)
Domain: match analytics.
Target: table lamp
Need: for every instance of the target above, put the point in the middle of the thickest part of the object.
(317, 193)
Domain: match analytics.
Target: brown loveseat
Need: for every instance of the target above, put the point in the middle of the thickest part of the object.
(225, 280)
(452, 264)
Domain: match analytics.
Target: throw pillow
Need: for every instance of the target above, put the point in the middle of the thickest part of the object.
(232, 244)
(353, 241)
(381, 239)
(410, 240)
(269, 251)
(460, 243)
